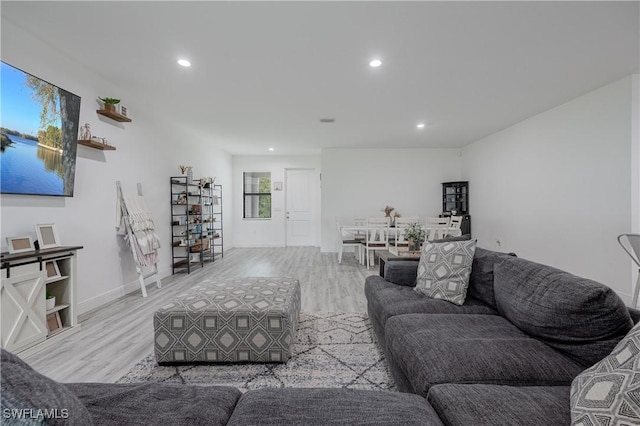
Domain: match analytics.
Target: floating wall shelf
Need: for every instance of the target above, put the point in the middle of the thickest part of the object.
(114, 115)
(96, 145)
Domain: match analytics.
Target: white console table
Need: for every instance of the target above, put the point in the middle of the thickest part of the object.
(27, 326)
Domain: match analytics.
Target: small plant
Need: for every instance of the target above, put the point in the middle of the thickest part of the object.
(110, 101)
(48, 295)
(415, 232)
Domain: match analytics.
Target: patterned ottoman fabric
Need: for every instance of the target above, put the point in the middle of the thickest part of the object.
(229, 320)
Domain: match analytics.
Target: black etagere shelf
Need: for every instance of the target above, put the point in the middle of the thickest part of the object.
(217, 237)
(193, 222)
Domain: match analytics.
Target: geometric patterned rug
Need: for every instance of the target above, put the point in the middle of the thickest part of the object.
(332, 350)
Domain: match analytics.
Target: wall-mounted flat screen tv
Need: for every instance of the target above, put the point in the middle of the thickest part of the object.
(39, 124)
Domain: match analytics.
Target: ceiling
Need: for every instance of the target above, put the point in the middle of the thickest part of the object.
(264, 73)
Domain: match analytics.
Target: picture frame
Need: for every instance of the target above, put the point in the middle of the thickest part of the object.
(20, 244)
(124, 110)
(277, 186)
(53, 322)
(53, 270)
(47, 235)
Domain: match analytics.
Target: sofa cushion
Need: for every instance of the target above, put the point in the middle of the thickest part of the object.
(157, 404)
(47, 401)
(481, 278)
(444, 348)
(491, 405)
(580, 317)
(386, 300)
(289, 406)
(609, 391)
(444, 269)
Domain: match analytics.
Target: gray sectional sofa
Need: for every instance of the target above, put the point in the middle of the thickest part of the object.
(29, 398)
(508, 355)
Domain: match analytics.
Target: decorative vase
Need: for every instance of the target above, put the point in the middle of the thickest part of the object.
(414, 245)
(110, 107)
(50, 303)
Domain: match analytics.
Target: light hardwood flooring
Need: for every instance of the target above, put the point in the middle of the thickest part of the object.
(114, 337)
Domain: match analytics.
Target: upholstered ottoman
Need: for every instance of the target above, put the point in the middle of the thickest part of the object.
(229, 320)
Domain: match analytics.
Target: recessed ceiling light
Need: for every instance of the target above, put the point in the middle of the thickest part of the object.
(420, 125)
(327, 120)
(184, 63)
(271, 149)
(375, 63)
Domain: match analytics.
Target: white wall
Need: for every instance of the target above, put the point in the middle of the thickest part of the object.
(556, 187)
(635, 166)
(361, 182)
(270, 232)
(149, 150)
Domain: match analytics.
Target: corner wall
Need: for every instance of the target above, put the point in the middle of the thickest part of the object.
(361, 182)
(556, 187)
(149, 150)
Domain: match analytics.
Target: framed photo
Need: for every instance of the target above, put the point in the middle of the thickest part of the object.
(123, 110)
(53, 270)
(20, 244)
(47, 236)
(277, 186)
(53, 322)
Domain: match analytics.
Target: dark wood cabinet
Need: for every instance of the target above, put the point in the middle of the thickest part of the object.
(455, 202)
(455, 198)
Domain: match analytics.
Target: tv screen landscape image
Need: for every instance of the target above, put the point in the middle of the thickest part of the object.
(39, 123)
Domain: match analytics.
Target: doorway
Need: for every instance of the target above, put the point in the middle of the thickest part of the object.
(299, 193)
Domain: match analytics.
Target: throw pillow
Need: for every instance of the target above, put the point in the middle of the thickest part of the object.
(444, 269)
(608, 392)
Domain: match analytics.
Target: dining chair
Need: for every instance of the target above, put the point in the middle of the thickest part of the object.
(349, 239)
(406, 220)
(631, 244)
(377, 237)
(436, 227)
(360, 221)
(456, 222)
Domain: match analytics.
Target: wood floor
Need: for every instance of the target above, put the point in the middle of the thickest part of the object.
(116, 336)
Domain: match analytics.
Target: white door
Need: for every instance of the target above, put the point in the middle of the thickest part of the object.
(299, 195)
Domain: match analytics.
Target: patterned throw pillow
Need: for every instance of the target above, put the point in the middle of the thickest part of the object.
(444, 269)
(608, 393)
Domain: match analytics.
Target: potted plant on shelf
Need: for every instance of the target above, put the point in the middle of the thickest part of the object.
(110, 103)
(415, 234)
(50, 301)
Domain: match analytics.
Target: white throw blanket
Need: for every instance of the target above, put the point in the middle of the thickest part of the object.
(146, 240)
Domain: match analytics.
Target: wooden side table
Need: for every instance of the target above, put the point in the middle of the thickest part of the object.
(27, 324)
(386, 256)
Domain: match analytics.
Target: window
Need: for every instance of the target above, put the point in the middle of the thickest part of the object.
(257, 195)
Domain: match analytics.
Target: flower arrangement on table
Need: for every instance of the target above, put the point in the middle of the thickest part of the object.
(415, 234)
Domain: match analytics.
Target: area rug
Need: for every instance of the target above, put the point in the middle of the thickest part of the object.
(332, 350)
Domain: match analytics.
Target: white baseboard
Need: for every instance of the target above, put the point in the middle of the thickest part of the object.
(111, 295)
(258, 245)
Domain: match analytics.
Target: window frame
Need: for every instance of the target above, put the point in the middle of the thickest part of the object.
(256, 194)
